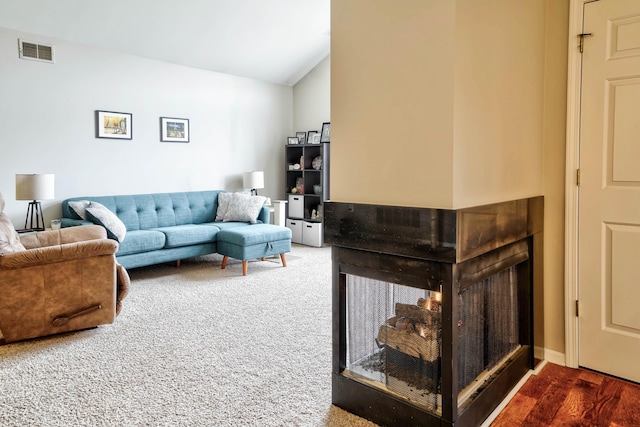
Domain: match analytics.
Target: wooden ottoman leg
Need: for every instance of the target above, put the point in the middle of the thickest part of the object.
(244, 267)
(224, 262)
(284, 260)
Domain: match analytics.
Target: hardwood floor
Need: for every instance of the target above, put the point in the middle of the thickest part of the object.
(560, 396)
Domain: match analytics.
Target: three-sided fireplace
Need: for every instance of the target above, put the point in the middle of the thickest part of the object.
(432, 308)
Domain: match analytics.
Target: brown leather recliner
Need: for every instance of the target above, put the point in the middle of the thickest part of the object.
(65, 280)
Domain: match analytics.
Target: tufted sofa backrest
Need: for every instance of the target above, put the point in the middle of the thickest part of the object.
(146, 211)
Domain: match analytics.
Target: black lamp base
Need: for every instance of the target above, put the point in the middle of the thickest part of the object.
(34, 214)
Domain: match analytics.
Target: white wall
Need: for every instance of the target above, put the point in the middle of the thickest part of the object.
(47, 125)
(312, 98)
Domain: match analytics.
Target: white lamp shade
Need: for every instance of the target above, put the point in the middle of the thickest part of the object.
(253, 179)
(35, 186)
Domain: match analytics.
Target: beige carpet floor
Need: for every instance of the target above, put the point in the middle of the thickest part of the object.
(193, 346)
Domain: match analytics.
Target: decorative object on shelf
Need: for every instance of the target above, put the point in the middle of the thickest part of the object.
(314, 214)
(174, 130)
(293, 140)
(317, 163)
(253, 180)
(317, 188)
(110, 124)
(310, 137)
(300, 185)
(302, 137)
(34, 187)
(326, 131)
(296, 166)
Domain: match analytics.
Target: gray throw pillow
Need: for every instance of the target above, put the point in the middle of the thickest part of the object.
(79, 207)
(244, 208)
(101, 215)
(223, 205)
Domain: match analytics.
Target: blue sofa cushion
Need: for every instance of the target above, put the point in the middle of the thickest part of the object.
(189, 234)
(141, 241)
(149, 211)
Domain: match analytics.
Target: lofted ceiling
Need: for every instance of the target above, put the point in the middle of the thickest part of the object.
(277, 41)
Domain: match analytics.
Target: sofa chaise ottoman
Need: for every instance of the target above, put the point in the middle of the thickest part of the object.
(255, 242)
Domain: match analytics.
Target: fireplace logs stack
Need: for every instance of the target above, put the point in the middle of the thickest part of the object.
(414, 330)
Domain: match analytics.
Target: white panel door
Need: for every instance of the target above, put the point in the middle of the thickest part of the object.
(609, 192)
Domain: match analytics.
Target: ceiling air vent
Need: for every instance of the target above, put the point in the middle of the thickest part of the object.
(35, 51)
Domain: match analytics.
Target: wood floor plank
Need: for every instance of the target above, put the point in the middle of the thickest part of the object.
(538, 384)
(628, 411)
(592, 377)
(561, 396)
(577, 408)
(516, 411)
(607, 400)
(550, 402)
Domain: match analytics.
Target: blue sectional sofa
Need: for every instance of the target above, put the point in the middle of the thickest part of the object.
(165, 227)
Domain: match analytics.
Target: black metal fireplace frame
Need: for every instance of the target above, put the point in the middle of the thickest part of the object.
(458, 248)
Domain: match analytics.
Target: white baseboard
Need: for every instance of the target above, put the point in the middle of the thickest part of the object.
(555, 357)
(538, 352)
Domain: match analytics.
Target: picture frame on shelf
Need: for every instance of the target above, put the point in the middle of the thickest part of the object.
(174, 129)
(293, 140)
(326, 132)
(114, 125)
(311, 135)
(302, 137)
(316, 138)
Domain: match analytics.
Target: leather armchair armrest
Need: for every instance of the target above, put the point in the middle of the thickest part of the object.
(64, 235)
(58, 253)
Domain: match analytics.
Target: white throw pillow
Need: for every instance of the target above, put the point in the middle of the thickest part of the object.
(223, 205)
(101, 215)
(244, 208)
(9, 238)
(80, 208)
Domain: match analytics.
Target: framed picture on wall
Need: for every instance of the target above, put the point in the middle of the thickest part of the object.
(326, 130)
(110, 124)
(174, 130)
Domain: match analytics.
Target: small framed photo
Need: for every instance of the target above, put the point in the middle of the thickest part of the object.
(302, 137)
(174, 130)
(110, 124)
(293, 140)
(311, 135)
(326, 131)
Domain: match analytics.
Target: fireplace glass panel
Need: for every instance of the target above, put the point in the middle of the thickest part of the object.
(394, 339)
(487, 329)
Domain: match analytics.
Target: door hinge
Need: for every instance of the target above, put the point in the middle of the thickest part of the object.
(577, 308)
(578, 177)
(582, 36)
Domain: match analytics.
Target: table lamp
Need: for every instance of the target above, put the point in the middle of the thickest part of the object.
(34, 187)
(253, 180)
